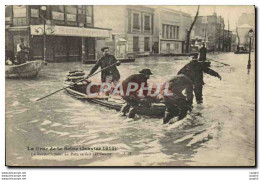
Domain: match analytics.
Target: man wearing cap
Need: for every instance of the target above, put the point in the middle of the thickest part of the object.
(194, 70)
(110, 74)
(131, 98)
(176, 103)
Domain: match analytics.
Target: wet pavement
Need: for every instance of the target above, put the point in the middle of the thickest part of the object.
(221, 132)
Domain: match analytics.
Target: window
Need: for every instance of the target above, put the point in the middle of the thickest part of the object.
(58, 12)
(147, 22)
(136, 21)
(8, 13)
(167, 31)
(163, 31)
(58, 8)
(135, 44)
(19, 11)
(89, 14)
(146, 44)
(177, 32)
(174, 30)
(71, 13)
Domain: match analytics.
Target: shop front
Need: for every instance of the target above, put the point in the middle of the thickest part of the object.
(64, 43)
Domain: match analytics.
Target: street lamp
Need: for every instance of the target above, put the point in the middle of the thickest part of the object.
(250, 35)
(43, 16)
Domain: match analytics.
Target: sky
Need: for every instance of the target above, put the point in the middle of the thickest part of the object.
(231, 13)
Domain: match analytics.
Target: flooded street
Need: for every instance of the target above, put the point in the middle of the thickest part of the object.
(221, 132)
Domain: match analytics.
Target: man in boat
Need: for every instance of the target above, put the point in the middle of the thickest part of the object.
(111, 74)
(132, 98)
(21, 52)
(177, 105)
(203, 53)
(194, 70)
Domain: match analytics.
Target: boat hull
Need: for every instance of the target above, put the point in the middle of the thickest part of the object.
(29, 69)
(155, 110)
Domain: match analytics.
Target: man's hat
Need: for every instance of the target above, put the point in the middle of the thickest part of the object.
(146, 71)
(103, 48)
(21, 39)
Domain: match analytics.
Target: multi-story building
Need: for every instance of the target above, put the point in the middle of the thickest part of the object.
(68, 30)
(132, 29)
(245, 23)
(211, 30)
(170, 30)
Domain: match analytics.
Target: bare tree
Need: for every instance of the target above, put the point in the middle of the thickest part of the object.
(189, 31)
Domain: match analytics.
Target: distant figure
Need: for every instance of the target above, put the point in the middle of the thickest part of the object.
(21, 52)
(203, 53)
(111, 74)
(132, 99)
(194, 70)
(177, 104)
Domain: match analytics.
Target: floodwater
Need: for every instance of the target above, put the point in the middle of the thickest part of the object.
(221, 132)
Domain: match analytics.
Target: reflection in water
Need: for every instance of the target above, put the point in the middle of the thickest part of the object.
(221, 132)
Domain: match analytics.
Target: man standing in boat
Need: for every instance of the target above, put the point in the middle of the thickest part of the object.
(132, 97)
(194, 70)
(111, 74)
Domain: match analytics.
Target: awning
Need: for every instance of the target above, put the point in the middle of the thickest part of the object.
(37, 30)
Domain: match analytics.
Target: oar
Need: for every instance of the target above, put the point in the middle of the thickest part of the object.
(75, 82)
(218, 62)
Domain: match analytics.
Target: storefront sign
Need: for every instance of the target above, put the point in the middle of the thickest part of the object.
(19, 11)
(71, 17)
(69, 31)
(58, 16)
(35, 13)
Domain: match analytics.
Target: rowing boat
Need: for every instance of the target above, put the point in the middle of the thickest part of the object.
(116, 102)
(30, 69)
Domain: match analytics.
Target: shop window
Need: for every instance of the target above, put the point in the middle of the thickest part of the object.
(146, 44)
(135, 44)
(136, 21)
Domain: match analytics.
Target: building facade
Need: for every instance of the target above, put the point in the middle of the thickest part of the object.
(132, 29)
(69, 31)
(210, 29)
(245, 23)
(170, 30)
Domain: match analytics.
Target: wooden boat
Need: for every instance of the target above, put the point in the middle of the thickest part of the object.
(78, 91)
(30, 69)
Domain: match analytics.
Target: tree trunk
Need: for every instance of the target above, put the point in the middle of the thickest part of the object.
(189, 32)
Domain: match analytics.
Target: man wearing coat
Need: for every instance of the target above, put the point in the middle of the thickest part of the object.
(194, 70)
(176, 103)
(110, 74)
